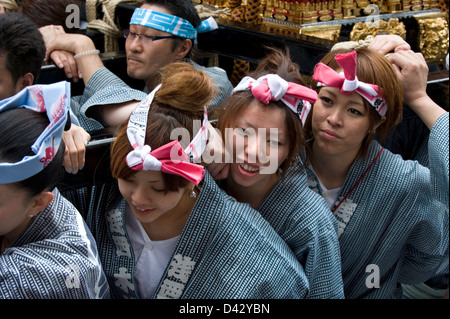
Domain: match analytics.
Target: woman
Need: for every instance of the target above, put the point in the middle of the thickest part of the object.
(262, 126)
(392, 214)
(46, 249)
(167, 230)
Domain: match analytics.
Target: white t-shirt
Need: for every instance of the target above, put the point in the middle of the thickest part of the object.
(330, 195)
(152, 257)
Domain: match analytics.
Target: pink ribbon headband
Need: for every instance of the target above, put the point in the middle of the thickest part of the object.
(272, 87)
(347, 82)
(169, 158)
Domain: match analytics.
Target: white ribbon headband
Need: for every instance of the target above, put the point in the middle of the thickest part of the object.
(54, 99)
(347, 81)
(141, 157)
(170, 23)
(272, 87)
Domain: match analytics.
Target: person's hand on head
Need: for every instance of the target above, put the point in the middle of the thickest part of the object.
(385, 44)
(412, 70)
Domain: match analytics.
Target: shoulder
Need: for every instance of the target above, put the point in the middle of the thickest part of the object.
(391, 177)
(217, 74)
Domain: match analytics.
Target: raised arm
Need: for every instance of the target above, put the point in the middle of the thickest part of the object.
(83, 50)
(387, 43)
(63, 59)
(412, 70)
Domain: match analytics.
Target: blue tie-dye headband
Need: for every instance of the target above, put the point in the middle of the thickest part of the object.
(54, 99)
(171, 24)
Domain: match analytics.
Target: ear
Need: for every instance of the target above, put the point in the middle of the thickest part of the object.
(26, 80)
(183, 49)
(40, 202)
(383, 119)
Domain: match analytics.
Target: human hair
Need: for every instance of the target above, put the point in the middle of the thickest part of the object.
(47, 12)
(19, 130)
(184, 9)
(373, 68)
(278, 62)
(22, 44)
(177, 104)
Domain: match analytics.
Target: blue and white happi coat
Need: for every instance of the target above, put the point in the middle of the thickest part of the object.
(394, 226)
(54, 257)
(302, 218)
(226, 250)
(105, 88)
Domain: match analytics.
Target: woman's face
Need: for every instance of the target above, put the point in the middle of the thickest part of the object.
(260, 143)
(15, 207)
(340, 122)
(145, 193)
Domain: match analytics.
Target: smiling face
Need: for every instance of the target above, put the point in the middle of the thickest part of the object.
(260, 143)
(146, 195)
(340, 122)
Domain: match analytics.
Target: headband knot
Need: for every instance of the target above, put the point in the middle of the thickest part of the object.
(347, 81)
(171, 24)
(140, 158)
(272, 87)
(170, 158)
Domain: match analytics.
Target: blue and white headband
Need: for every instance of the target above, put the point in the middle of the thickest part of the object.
(54, 99)
(171, 24)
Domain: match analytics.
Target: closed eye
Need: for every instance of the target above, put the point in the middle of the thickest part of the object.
(242, 131)
(354, 111)
(274, 143)
(326, 100)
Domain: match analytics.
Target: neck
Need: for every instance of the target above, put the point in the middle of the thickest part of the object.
(332, 170)
(253, 195)
(4, 243)
(7, 239)
(152, 82)
(172, 223)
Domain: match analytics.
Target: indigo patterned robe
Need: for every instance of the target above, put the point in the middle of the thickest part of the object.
(105, 88)
(302, 218)
(54, 257)
(393, 227)
(226, 250)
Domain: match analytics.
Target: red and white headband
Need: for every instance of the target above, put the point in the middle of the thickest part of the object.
(169, 158)
(347, 82)
(272, 87)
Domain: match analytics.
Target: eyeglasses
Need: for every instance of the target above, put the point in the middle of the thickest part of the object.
(144, 38)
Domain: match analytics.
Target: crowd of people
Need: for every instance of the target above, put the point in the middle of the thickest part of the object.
(292, 194)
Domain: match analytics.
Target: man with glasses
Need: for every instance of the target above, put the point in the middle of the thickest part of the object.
(166, 32)
(160, 32)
